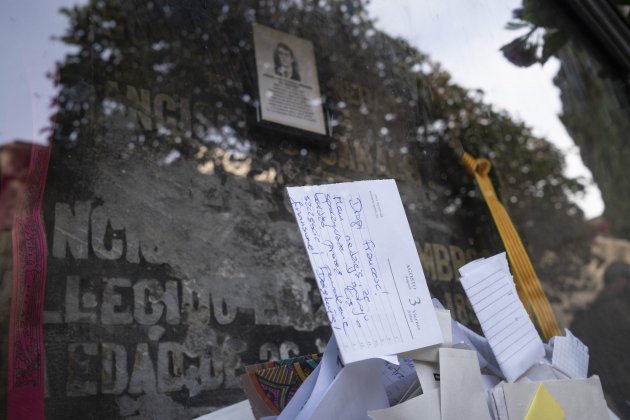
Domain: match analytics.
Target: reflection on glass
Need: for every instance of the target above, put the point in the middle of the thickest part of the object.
(174, 257)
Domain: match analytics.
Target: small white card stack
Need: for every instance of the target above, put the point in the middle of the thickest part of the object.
(511, 334)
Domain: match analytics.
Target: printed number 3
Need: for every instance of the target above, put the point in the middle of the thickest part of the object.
(414, 303)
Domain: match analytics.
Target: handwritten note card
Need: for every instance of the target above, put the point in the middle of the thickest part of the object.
(366, 266)
(504, 321)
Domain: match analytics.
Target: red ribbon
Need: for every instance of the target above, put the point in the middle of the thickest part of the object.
(25, 392)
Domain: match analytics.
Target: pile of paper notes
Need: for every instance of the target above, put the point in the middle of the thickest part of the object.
(397, 354)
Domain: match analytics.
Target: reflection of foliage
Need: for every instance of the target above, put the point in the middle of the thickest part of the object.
(204, 50)
(595, 114)
(594, 97)
(542, 39)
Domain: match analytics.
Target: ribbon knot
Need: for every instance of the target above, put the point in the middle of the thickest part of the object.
(476, 166)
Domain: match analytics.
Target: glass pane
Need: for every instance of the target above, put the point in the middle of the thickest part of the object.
(174, 259)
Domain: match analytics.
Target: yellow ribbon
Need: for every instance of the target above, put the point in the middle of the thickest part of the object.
(527, 283)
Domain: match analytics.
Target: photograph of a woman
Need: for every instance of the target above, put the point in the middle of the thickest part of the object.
(285, 64)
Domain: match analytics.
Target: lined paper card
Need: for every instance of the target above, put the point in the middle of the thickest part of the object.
(511, 334)
(366, 266)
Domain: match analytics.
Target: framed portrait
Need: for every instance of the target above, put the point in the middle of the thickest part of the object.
(288, 86)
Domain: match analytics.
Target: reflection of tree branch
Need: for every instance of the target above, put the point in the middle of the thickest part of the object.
(523, 51)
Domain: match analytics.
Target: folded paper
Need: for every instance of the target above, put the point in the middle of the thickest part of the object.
(330, 367)
(356, 390)
(399, 379)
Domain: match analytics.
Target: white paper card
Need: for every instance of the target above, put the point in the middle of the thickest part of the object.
(581, 399)
(425, 406)
(428, 375)
(511, 334)
(367, 268)
(356, 390)
(489, 382)
(570, 355)
(461, 388)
